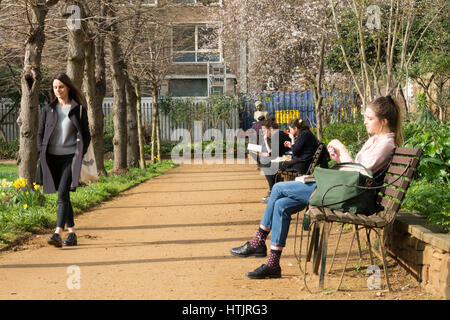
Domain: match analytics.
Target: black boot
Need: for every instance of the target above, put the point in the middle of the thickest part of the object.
(247, 250)
(71, 239)
(55, 240)
(264, 272)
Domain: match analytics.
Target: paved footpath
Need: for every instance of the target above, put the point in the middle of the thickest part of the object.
(168, 238)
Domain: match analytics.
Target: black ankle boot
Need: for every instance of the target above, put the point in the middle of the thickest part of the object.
(55, 240)
(71, 239)
(247, 250)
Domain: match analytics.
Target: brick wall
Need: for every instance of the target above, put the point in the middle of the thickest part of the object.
(424, 251)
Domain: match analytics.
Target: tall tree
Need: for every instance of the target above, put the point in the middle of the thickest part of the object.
(118, 79)
(36, 12)
(95, 79)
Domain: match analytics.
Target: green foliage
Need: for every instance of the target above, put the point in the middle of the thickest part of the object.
(352, 135)
(434, 139)
(182, 110)
(108, 134)
(431, 199)
(166, 148)
(221, 107)
(8, 150)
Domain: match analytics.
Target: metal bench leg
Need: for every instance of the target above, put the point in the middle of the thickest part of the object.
(370, 246)
(318, 249)
(380, 240)
(314, 238)
(325, 234)
(359, 242)
(337, 245)
(346, 260)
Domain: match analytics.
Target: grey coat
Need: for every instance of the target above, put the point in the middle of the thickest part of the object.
(47, 123)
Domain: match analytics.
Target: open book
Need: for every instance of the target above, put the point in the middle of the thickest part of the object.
(306, 179)
(254, 147)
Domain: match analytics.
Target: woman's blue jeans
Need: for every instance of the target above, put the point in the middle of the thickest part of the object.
(285, 199)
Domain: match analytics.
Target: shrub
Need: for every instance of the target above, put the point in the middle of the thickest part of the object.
(9, 150)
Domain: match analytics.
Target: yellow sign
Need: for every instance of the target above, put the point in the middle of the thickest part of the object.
(284, 116)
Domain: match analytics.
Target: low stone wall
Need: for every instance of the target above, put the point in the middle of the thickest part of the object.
(423, 251)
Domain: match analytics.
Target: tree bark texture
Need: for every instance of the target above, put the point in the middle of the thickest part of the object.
(156, 139)
(30, 86)
(95, 90)
(76, 48)
(119, 111)
(139, 125)
(132, 130)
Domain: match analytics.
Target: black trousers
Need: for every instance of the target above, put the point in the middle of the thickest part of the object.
(61, 169)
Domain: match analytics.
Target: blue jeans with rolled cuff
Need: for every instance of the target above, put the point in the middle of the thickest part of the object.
(285, 199)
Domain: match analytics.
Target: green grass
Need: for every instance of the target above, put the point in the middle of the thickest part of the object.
(8, 172)
(16, 220)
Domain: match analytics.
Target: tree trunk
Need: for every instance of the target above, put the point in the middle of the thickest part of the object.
(76, 48)
(318, 97)
(119, 105)
(156, 143)
(30, 86)
(139, 125)
(95, 90)
(132, 131)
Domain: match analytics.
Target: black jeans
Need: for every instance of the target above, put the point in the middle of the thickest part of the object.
(61, 169)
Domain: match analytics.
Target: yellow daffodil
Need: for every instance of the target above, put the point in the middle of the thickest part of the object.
(25, 206)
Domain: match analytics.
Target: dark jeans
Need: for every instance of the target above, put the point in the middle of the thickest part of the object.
(61, 169)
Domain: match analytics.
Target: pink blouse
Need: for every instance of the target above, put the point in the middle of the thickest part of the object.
(375, 153)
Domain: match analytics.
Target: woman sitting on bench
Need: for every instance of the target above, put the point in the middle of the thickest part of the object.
(382, 118)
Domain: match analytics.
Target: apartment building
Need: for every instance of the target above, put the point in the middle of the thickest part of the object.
(199, 67)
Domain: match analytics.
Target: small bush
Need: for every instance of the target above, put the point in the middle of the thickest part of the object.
(9, 150)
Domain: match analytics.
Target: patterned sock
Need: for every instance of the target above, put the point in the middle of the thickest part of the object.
(274, 258)
(260, 238)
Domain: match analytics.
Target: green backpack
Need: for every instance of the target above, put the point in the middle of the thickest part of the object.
(337, 189)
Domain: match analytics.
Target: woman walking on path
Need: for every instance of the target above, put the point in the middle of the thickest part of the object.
(63, 139)
(382, 119)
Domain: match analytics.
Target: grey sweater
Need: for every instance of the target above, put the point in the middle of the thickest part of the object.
(64, 137)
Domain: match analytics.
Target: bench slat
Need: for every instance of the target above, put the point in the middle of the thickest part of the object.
(409, 151)
(405, 160)
(401, 183)
(399, 170)
(394, 193)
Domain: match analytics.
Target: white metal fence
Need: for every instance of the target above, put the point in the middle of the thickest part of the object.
(10, 129)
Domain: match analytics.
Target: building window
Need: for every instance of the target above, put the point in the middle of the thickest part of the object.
(196, 43)
(188, 87)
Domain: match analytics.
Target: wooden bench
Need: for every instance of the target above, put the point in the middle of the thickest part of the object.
(291, 173)
(396, 182)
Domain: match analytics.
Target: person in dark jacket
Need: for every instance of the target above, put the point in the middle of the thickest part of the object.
(63, 139)
(303, 144)
(273, 138)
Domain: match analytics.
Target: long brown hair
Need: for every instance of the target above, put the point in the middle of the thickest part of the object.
(74, 93)
(298, 123)
(389, 109)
